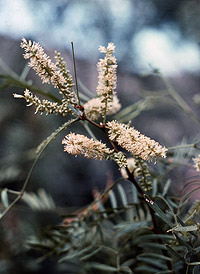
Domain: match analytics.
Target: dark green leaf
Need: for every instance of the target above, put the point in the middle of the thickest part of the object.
(145, 269)
(182, 242)
(155, 237)
(154, 255)
(113, 199)
(164, 272)
(122, 195)
(160, 213)
(196, 270)
(103, 267)
(134, 194)
(4, 197)
(172, 251)
(166, 187)
(153, 246)
(153, 262)
(129, 228)
(91, 254)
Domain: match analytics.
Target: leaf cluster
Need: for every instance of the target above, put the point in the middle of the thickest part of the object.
(116, 236)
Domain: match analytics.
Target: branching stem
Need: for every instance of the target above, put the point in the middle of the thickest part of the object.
(130, 175)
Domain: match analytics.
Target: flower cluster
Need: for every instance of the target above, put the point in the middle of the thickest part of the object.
(44, 105)
(93, 107)
(107, 77)
(77, 144)
(133, 141)
(120, 159)
(47, 70)
(106, 103)
(62, 67)
(197, 163)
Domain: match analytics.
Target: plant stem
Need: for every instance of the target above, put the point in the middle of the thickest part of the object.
(180, 101)
(130, 175)
(23, 84)
(21, 193)
(75, 72)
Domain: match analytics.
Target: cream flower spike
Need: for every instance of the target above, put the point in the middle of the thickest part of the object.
(93, 107)
(197, 163)
(47, 70)
(77, 144)
(43, 106)
(133, 141)
(107, 76)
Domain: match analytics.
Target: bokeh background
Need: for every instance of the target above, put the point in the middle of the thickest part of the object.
(148, 34)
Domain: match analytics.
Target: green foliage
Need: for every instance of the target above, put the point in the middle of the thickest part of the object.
(120, 239)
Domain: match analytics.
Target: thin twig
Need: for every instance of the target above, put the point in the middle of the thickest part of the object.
(16, 82)
(179, 100)
(76, 82)
(21, 193)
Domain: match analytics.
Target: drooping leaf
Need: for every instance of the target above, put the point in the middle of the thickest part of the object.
(113, 199)
(4, 197)
(154, 255)
(103, 267)
(176, 254)
(155, 246)
(166, 187)
(122, 195)
(134, 194)
(157, 210)
(130, 228)
(164, 272)
(145, 269)
(185, 228)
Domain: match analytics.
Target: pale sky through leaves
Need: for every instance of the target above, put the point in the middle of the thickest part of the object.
(163, 49)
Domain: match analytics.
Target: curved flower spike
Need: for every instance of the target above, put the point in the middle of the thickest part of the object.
(135, 142)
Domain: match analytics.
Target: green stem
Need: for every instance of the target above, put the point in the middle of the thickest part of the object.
(89, 130)
(195, 145)
(76, 82)
(23, 84)
(130, 175)
(23, 188)
(85, 89)
(21, 193)
(180, 101)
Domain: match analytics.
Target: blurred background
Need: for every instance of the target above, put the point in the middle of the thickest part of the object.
(145, 32)
(149, 35)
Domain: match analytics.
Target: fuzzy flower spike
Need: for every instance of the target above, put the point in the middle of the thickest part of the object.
(94, 106)
(43, 106)
(77, 144)
(57, 74)
(107, 77)
(197, 163)
(133, 141)
(107, 102)
(47, 70)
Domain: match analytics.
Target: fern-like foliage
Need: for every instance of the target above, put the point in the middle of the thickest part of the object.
(119, 239)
